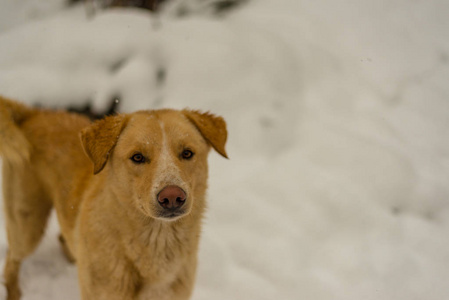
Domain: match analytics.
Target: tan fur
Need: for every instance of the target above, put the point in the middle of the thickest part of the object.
(14, 145)
(111, 222)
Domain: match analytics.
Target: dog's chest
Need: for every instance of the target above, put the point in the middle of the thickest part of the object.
(155, 292)
(157, 255)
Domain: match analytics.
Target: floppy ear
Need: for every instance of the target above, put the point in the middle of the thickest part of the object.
(99, 139)
(211, 127)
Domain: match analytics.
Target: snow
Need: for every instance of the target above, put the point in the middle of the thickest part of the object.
(337, 185)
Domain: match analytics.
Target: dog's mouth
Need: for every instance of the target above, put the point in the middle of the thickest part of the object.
(171, 215)
(164, 214)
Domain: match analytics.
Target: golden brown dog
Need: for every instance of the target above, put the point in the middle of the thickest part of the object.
(133, 223)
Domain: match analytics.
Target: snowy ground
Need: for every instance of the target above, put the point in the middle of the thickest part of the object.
(338, 111)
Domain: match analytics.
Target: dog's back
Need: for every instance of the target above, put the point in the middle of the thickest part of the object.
(25, 131)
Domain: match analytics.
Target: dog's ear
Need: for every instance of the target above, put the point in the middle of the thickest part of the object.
(211, 127)
(99, 139)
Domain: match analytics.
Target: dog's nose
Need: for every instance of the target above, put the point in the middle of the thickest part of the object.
(171, 197)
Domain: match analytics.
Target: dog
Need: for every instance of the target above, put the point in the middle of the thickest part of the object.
(128, 190)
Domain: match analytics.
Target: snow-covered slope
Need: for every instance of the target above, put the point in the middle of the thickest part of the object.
(338, 112)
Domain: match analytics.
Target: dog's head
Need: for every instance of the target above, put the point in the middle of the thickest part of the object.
(156, 160)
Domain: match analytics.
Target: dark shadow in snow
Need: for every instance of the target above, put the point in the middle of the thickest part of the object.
(396, 210)
(87, 109)
(116, 66)
(161, 75)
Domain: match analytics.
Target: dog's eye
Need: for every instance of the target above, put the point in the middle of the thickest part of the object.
(138, 158)
(187, 154)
